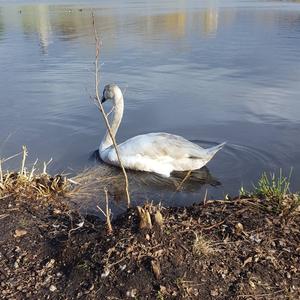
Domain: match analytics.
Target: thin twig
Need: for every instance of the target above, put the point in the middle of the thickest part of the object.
(108, 213)
(108, 114)
(46, 164)
(13, 156)
(100, 107)
(25, 153)
(4, 216)
(205, 198)
(6, 196)
(1, 172)
(257, 296)
(184, 180)
(73, 181)
(32, 170)
(213, 226)
(101, 210)
(116, 263)
(79, 225)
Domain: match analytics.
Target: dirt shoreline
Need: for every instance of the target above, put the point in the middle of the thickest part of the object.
(238, 249)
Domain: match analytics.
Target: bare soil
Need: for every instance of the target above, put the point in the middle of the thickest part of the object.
(237, 249)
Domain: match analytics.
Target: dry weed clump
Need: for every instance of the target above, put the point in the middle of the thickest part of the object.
(202, 246)
(25, 183)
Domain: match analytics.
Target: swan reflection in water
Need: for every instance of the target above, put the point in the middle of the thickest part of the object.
(181, 188)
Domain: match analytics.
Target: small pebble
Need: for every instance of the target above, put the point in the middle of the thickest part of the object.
(52, 288)
(131, 293)
(122, 267)
(105, 273)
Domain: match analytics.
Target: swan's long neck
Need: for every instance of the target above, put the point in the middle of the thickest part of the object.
(116, 120)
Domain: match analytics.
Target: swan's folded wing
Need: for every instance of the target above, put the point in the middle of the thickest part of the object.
(159, 145)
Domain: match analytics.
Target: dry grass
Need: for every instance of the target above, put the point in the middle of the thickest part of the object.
(26, 184)
(88, 187)
(87, 190)
(202, 246)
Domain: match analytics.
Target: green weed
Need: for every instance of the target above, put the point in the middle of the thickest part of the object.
(272, 186)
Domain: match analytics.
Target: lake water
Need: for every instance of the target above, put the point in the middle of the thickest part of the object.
(211, 71)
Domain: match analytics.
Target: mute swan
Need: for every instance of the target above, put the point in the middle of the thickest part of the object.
(158, 152)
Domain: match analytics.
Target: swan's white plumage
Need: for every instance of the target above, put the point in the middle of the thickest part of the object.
(159, 152)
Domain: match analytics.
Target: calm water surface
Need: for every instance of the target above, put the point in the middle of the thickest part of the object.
(211, 71)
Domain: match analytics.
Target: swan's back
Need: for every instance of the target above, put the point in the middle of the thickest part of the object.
(161, 153)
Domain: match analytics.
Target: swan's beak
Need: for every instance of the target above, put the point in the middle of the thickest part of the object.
(103, 100)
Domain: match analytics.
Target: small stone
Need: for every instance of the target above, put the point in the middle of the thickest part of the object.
(50, 264)
(52, 288)
(239, 228)
(131, 293)
(122, 267)
(105, 273)
(255, 238)
(20, 233)
(252, 284)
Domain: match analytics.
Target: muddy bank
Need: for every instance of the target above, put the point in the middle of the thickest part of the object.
(238, 249)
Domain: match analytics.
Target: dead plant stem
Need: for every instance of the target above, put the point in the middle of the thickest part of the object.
(100, 107)
(205, 198)
(107, 212)
(1, 172)
(32, 170)
(25, 153)
(184, 180)
(46, 164)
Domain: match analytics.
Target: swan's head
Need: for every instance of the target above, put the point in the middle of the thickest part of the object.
(111, 92)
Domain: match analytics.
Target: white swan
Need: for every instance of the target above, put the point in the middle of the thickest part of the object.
(159, 152)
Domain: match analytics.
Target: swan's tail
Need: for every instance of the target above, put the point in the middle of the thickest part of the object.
(213, 150)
